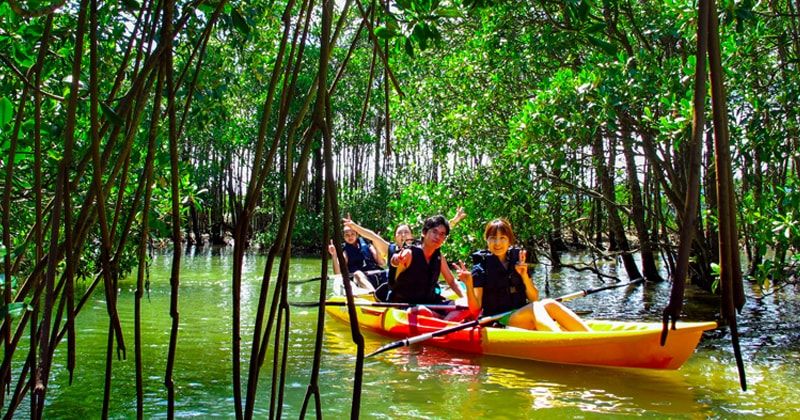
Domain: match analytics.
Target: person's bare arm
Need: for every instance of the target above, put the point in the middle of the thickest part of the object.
(460, 215)
(474, 295)
(332, 251)
(401, 260)
(377, 256)
(380, 244)
(450, 279)
(531, 291)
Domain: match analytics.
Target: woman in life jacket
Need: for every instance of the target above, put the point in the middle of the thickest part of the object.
(363, 260)
(499, 282)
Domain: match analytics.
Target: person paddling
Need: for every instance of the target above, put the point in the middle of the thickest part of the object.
(499, 282)
(419, 266)
(363, 261)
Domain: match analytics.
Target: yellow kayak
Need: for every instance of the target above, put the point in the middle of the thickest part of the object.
(609, 343)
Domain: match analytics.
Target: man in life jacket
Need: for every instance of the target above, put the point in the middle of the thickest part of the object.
(402, 238)
(363, 261)
(419, 266)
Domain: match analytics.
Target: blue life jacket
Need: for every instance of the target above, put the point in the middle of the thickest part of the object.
(503, 289)
(359, 258)
(419, 282)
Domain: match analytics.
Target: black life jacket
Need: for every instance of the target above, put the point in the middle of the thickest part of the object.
(419, 283)
(359, 258)
(503, 289)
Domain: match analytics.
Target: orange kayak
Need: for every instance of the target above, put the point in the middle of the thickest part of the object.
(609, 343)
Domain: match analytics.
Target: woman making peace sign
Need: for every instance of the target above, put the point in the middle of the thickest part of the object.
(499, 282)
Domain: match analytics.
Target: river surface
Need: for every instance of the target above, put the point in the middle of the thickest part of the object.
(421, 381)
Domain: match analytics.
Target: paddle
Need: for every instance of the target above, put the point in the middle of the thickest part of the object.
(350, 276)
(489, 319)
(396, 305)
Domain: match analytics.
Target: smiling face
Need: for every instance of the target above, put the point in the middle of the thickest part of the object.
(350, 236)
(434, 232)
(498, 245)
(499, 237)
(403, 235)
(434, 236)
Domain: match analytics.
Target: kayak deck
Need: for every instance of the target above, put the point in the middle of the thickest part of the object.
(609, 343)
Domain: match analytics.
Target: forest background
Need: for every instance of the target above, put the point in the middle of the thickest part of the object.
(202, 121)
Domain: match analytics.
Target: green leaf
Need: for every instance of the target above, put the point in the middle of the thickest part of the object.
(449, 12)
(603, 45)
(6, 111)
(404, 4)
(239, 22)
(384, 32)
(111, 115)
(409, 47)
(596, 28)
(131, 5)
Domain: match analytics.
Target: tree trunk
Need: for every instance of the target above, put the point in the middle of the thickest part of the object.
(318, 179)
(198, 236)
(615, 223)
(637, 211)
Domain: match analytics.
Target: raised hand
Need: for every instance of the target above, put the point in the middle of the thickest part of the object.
(522, 266)
(402, 259)
(331, 248)
(463, 273)
(460, 215)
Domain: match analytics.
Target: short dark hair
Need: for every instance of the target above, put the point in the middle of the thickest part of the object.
(435, 221)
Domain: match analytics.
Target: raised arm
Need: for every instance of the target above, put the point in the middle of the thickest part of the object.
(460, 215)
(401, 260)
(450, 279)
(474, 295)
(332, 251)
(522, 268)
(380, 244)
(377, 256)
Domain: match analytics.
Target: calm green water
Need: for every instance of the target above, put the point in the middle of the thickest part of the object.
(423, 382)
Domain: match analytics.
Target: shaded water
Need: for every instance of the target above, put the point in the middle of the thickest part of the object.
(423, 382)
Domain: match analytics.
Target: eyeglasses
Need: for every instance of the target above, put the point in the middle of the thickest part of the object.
(440, 233)
(497, 239)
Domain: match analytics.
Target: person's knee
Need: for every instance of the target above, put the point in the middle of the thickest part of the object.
(361, 281)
